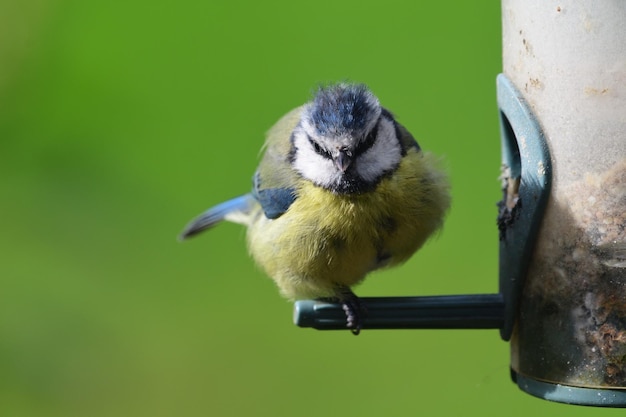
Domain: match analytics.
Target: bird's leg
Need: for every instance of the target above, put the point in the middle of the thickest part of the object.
(353, 308)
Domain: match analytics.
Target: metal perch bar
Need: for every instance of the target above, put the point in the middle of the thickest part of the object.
(478, 311)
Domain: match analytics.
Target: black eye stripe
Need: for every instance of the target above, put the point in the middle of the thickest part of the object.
(318, 149)
(362, 147)
(369, 140)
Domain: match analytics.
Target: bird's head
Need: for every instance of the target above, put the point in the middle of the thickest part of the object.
(345, 141)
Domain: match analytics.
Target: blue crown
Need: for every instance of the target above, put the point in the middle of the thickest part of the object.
(343, 109)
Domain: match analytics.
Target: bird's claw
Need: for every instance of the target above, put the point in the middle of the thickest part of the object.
(353, 309)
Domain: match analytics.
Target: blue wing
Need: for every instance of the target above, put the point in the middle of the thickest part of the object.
(274, 201)
(214, 215)
(275, 182)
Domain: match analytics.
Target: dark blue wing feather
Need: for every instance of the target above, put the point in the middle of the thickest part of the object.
(218, 213)
(274, 201)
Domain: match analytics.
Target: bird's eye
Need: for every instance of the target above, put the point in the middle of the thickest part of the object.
(319, 150)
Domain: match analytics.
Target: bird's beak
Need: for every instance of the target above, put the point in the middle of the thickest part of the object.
(343, 160)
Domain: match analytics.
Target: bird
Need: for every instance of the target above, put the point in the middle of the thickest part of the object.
(342, 189)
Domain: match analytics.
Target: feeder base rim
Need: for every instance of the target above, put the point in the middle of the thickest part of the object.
(596, 397)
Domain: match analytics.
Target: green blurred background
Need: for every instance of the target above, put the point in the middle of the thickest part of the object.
(121, 120)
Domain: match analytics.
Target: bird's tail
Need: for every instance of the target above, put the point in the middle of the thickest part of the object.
(235, 210)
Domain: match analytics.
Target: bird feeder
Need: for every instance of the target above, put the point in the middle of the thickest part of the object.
(569, 62)
(562, 219)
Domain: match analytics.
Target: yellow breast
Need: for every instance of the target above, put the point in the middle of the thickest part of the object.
(327, 240)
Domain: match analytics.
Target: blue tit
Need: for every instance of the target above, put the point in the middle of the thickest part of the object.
(342, 189)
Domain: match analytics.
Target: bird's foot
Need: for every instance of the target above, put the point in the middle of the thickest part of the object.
(353, 309)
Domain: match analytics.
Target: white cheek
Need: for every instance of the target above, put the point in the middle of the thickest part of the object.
(312, 165)
(383, 156)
